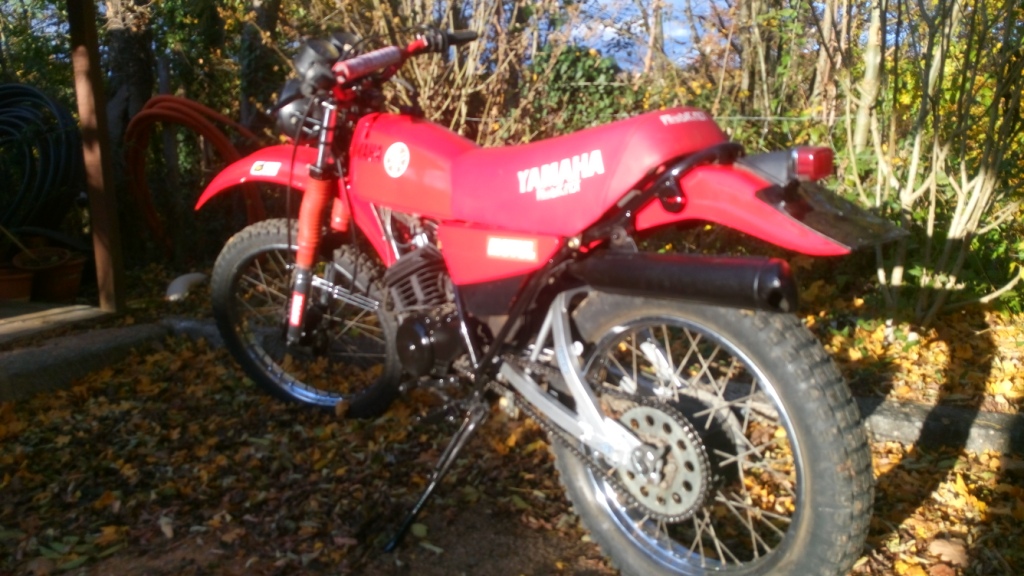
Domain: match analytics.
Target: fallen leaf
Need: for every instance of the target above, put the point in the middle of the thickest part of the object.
(949, 551)
(915, 570)
(232, 535)
(941, 570)
(166, 526)
(109, 535)
(345, 541)
(904, 568)
(432, 548)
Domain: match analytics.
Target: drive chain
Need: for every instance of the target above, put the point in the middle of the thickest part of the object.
(604, 470)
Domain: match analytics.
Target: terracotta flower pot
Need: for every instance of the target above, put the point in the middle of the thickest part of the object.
(15, 284)
(58, 273)
(41, 258)
(59, 283)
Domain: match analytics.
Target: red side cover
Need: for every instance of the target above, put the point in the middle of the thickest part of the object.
(476, 255)
(562, 185)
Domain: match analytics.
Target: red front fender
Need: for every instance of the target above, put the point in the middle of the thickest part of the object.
(726, 195)
(272, 164)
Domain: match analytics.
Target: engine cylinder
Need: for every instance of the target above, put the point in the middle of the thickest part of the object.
(416, 281)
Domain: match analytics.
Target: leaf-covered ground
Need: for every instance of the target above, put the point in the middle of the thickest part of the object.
(171, 462)
(972, 358)
(173, 449)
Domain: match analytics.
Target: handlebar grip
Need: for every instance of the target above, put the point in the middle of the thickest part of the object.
(460, 37)
(368, 63)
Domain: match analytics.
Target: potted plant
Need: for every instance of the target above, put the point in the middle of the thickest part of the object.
(15, 283)
(54, 274)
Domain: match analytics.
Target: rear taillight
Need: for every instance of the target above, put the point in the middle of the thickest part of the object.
(811, 163)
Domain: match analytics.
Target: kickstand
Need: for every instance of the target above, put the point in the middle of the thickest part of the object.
(475, 414)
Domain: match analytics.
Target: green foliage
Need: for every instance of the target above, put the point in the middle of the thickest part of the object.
(35, 48)
(581, 88)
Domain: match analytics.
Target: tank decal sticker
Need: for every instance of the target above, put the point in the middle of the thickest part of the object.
(396, 159)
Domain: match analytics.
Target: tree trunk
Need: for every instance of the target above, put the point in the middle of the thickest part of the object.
(131, 63)
(260, 76)
(655, 35)
(871, 83)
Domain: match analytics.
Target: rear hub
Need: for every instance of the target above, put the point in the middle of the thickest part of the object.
(670, 474)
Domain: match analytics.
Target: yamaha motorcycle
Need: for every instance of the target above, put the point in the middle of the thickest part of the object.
(697, 425)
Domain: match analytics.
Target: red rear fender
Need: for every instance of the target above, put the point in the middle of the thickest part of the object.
(272, 164)
(726, 195)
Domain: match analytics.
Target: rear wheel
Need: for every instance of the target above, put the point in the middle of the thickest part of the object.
(763, 463)
(347, 351)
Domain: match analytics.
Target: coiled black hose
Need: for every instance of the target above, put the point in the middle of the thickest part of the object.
(41, 168)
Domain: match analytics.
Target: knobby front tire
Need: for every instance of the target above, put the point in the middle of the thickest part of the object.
(768, 468)
(347, 354)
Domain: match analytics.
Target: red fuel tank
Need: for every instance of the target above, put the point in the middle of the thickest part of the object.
(405, 163)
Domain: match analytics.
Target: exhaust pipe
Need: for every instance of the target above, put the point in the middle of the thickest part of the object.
(732, 282)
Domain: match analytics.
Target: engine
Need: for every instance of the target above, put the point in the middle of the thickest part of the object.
(428, 338)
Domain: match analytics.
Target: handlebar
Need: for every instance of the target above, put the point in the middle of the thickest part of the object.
(460, 37)
(366, 64)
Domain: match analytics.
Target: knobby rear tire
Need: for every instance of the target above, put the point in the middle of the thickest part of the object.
(349, 357)
(833, 491)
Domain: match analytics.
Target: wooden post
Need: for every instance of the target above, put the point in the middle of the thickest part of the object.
(106, 233)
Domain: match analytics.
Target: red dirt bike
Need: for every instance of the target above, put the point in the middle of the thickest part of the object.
(697, 425)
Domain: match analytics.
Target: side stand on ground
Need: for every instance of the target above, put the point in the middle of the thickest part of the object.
(475, 414)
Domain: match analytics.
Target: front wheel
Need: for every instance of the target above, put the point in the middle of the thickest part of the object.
(347, 353)
(764, 464)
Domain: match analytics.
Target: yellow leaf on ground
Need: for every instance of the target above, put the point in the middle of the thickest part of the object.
(109, 535)
(904, 568)
(961, 486)
(1001, 387)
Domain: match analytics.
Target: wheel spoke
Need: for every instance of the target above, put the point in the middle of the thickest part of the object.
(345, 341)
(732, 410)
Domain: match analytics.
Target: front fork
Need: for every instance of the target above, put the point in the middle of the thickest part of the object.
(321, 187)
